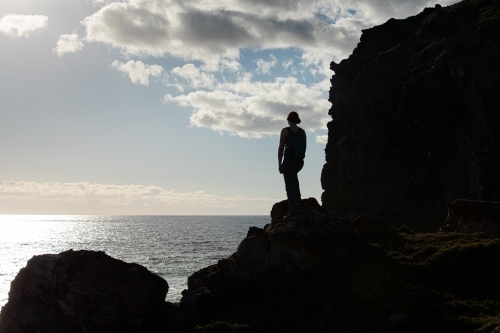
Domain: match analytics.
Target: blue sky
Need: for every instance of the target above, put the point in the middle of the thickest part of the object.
(167, 106)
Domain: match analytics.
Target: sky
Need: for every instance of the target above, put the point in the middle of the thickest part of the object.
(167, 107)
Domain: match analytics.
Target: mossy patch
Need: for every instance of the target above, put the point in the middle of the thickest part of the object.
(416, 283)
(400, 281)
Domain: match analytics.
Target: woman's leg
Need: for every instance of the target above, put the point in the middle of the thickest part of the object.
(295, 196)
(299, 167)
(290, 170)
(291, 185)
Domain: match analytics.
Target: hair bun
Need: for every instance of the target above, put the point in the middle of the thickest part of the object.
(293, 117)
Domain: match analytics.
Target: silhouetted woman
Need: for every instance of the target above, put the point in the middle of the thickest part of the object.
(290, 165)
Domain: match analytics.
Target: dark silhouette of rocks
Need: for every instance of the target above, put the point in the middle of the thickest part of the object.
(416, 117)
(325, 273)
(319, 272)
(316, 240)
(81, 291)
(468, 216)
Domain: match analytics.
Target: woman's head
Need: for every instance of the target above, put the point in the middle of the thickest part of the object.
(293, 117)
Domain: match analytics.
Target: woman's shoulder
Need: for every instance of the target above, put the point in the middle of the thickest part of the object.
(302, 131)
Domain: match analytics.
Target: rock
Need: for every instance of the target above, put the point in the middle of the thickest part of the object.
(254, 231)
(367, 225)
(316, 240)
(190, 297)
(415, 117)
(496, 330)
(469, 216)
(81, 291)
(397, 318)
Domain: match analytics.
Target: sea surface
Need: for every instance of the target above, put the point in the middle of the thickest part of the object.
(173, 247)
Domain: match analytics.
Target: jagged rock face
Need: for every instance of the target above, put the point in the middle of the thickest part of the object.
(416, 117)
(81, 291)
(317, 239)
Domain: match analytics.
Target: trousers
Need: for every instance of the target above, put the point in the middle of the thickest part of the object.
(291, 168)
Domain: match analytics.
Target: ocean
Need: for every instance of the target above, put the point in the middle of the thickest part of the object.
(173, 247)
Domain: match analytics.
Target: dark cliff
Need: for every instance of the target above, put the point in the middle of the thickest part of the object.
(416, 117)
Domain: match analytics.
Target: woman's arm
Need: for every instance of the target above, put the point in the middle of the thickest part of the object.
(281, 147)
(305, 137)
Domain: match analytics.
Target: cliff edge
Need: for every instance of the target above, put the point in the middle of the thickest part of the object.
(416, 117)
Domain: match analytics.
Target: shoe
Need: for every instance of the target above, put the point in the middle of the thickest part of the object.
(290, 218)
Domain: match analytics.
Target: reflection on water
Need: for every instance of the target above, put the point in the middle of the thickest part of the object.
(171, 246)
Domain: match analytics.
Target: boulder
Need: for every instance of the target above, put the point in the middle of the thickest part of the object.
(315, 241)
(81, 291)
(415, 117)
(496, 330)
(470, 216)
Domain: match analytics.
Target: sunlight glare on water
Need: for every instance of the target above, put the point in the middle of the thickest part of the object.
(173, 247)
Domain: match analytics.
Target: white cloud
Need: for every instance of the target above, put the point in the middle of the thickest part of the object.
(89, 198)
(215, 33)
(194, 77)
(131, 26)
(69, 43)
(322, 139)
(101, 2)
(264, 67)
(379, 11)
(138, 72)
(210, 30)
(252, 109)
(225, 64)
(287, 63)
(22, 25)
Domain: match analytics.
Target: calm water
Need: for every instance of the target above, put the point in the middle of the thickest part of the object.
(173, 247)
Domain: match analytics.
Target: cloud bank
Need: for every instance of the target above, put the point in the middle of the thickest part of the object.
(212, 30)
(215, 82)
(88, 198)
(14, 25)
(252, 109)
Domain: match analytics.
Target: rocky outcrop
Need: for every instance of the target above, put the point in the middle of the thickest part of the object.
(415, 117)
(316, 240)
(81, 291)
(468, 216)
(319, 272)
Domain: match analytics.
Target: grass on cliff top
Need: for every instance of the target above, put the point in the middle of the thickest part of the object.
(407, 282)
(399, 282)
